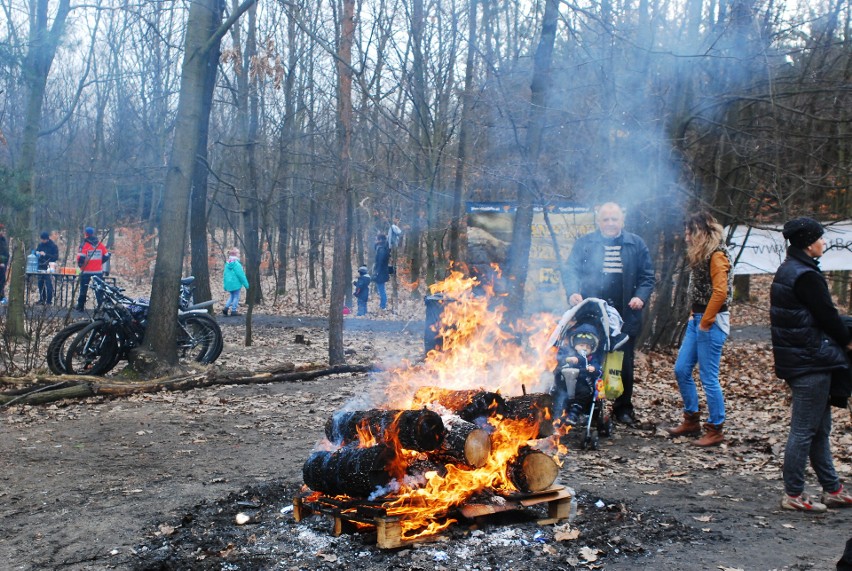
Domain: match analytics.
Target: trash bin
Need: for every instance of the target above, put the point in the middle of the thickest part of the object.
(432, 338)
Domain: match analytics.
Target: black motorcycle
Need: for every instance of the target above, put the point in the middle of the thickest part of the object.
(97, 345)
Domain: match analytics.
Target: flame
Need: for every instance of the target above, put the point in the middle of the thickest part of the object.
(365, 434)
(480, 353)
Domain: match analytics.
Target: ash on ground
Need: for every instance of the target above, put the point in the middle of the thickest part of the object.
(209, 537)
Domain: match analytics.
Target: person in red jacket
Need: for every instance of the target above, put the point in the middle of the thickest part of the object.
(90, 260)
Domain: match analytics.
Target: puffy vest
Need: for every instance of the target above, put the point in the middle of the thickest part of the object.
(798, 344)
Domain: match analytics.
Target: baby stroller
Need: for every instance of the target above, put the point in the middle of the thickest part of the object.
(585, 335)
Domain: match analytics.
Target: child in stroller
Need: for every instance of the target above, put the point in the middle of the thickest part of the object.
(585, 335)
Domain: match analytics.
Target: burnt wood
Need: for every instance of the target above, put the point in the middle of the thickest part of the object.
(537, 408)
(420, 430)
(349, 471)
(464, 443)
(532, 470)
(468, 404)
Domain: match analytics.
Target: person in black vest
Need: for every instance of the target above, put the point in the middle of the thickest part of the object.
(47, 252)
(614, 265)
(809, 344)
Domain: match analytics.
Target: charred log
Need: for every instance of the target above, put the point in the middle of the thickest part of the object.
(468, 404)
(349, 471)
(418, 470)
(464, 443)
(532, 470)
(535, 407)
(420, 430)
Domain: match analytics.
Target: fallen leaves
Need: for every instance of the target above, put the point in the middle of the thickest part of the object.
(565, 533)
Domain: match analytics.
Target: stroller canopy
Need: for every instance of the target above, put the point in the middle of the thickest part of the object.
(597, 313)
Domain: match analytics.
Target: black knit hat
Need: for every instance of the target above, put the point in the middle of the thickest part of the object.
(803, 231)
(587, 334)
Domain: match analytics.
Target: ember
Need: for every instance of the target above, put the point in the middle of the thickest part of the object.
(457, 425)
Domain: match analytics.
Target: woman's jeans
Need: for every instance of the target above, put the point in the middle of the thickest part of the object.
(810, 427)
(381, 289)
(705, 349)
(233, 300)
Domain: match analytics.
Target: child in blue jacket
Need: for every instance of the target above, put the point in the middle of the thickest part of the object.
(362, 289)
(233, 279)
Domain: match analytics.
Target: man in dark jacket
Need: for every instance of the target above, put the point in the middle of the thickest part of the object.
(47, 252)
(4, 261)
(615, 266)
(381, 266)
(809, 344)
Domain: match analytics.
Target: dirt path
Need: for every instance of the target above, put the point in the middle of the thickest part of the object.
(90, 485)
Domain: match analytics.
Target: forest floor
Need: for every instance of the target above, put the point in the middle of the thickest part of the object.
(156, 481)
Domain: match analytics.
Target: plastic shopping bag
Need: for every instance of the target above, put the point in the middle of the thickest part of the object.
(613, 387)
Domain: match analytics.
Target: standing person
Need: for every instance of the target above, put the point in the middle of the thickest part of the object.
(381, 266)
(710, 292)
(47, 252)
(4, 261)
(614, 265)
(233, 279)
(362, 289)
(90, 260)
(809, 343)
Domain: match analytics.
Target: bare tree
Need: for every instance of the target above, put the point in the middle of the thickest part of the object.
(161, 335)
(342, 234)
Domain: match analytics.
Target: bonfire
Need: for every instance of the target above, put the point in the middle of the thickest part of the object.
(473, 419)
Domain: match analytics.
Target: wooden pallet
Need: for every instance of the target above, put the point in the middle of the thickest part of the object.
(350, 516)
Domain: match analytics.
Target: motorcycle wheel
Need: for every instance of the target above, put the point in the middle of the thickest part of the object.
(58, 347)
(199, 338)
(93, 350)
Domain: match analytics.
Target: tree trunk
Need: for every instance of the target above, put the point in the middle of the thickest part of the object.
(519, 250)
(198, 215)
(464, 127)
(162, 326)
(342, 234)
(43, 41)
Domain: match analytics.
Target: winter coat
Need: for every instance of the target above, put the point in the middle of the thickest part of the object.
(92, 255)
(362, 287)
(51, 254)
(799, 345)
(233, 278)
(380, 267)
(585, 273)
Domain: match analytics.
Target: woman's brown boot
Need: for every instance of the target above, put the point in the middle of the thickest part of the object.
(712, 435)
(691, 425)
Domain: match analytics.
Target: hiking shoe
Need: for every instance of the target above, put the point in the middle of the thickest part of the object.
(839, 499)
(802, 503)
(224, 311)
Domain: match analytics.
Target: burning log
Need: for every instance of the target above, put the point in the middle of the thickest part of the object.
(468, 404)
(535, 407)
(532, 470)
(420, 430)
(464, 443)
(349, 471)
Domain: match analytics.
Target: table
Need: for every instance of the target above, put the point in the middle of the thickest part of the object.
(65, 287)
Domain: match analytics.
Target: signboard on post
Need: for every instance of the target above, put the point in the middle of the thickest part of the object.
(489, 234)
(761, 251)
